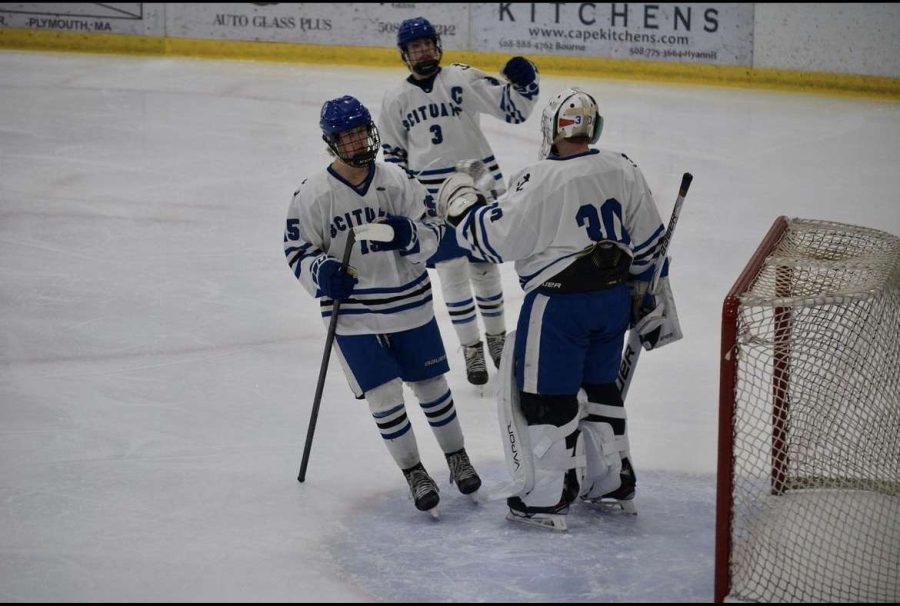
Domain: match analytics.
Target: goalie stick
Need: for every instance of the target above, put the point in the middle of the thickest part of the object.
(371, 231)
(633, 346)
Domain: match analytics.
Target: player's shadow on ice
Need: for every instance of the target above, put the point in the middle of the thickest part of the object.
(473, 554)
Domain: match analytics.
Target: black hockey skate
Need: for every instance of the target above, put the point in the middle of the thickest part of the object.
(549, 518)
(462, 473)
(622, 498)
(423, 489)
(495, 347)
(476, 371)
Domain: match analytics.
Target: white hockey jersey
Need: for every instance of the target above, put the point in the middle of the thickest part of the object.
(427, 126)
(394, 291)
(556, 208)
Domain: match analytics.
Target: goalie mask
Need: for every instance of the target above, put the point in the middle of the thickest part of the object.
(358, 148)
(571, 113)
(419, 28)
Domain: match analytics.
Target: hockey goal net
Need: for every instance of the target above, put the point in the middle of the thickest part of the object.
(808, 501)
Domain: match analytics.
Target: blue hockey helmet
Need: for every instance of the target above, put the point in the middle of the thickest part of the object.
(419, 28)
(343, 114)
(414, 29)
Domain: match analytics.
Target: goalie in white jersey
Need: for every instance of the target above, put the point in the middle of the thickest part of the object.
(430, 123)
(583, 228)
(386, 332)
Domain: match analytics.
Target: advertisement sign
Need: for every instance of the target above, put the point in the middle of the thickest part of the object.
(316, 23)
(137, 18)
(719, 34)
(686, 32)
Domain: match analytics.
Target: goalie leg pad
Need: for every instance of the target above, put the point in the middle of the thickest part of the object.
(540, 439)
(553, 435)
(555, 452)
(603, 423)
(513, 426)
(603, 464)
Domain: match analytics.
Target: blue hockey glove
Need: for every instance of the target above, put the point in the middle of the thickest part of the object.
(520, 71)
(405, 235)
(333, 282)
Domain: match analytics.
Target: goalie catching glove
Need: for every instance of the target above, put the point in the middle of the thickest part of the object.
(457, 196)
(654, 316)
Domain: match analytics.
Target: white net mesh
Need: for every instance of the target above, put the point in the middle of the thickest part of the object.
(816, 428)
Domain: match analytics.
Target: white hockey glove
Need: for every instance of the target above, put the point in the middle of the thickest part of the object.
(481, 176)
(457, 196)
(655, 317)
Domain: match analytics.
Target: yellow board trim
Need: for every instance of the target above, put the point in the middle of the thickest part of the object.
(590, 67)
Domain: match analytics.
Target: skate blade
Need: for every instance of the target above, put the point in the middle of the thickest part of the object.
(613, 506)
(435, 514)
(475, 498)
(554, 522)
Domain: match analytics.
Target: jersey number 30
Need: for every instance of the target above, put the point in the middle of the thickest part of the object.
(605, 226)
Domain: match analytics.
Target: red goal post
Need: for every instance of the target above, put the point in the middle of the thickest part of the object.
(808, 485)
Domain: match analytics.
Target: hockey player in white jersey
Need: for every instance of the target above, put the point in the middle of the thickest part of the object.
(429, 124)
(386, 331)
(583, 228)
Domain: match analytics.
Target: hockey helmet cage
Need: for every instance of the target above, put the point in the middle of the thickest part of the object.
(571, 113)
(346, 113)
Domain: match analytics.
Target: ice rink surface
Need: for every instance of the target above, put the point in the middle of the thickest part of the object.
(158, 359)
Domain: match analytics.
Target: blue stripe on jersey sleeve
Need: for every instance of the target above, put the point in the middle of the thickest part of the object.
(649, 240)
(485, 240)
(468, 233)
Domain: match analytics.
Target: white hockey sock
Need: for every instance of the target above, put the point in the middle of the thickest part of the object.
(454, 279)
(389, 412)
(489, 296)
(437, 403)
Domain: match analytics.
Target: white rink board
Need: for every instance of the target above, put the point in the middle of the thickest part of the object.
(719, 34)
(351, 24)
(139, 18)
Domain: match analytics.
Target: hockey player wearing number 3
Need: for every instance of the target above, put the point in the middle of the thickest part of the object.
(386, 333)
(583, 229)
(429, 124)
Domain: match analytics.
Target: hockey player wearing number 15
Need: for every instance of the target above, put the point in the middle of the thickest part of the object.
(386, 333)
(429, 124)
(583, 229)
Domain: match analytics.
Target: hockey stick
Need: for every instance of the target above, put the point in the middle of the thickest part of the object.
(633, 346)
(369, 231)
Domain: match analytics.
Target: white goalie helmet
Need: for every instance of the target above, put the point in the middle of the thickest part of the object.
(571, 113)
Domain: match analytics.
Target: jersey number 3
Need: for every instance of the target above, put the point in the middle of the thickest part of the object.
(605, 226)
(438, 135)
